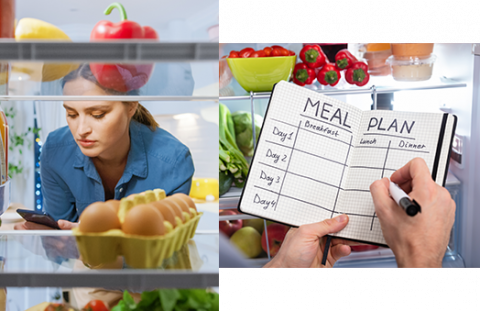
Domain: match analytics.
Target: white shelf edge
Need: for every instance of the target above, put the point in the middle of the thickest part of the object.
(106, 98)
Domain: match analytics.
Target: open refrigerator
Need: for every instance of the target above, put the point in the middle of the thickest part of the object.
(181, 93)
(453, 88)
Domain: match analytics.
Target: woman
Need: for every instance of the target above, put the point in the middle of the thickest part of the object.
(108, 151)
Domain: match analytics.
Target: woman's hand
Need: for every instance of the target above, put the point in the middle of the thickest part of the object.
(28, 225)
(303, 247)
(67, 225)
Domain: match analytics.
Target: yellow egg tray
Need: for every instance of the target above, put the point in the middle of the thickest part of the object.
(141, 252)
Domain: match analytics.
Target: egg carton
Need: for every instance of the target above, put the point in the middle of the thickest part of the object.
(142, 252)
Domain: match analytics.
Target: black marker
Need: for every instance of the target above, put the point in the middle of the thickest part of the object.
(410, 206)
(325, 250)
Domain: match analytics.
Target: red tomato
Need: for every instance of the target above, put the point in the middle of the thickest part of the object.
(259, 53)
(95, 305)
(277, 46)
(245, 52)
(291, 53)
(275, 52)
(56, 307)
(279, 51)
(233, 54)
(268, 51)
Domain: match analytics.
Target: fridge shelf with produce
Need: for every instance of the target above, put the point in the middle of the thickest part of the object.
(237, 99)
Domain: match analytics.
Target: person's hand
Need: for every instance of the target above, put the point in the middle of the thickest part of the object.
(303, 247)
(67, 225)
(28, 225)
(421, 240)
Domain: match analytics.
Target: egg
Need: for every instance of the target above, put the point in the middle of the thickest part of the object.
(180, 202)
(166, 211)
(144, 219)
(176, 209)
(99, 217)
(188, 200)
(114, 203)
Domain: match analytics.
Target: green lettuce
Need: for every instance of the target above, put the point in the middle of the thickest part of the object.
(171, 300)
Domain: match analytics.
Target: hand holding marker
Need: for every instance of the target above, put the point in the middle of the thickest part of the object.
(410, 206)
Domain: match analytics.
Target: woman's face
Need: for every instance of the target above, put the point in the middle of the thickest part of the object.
(98, 127)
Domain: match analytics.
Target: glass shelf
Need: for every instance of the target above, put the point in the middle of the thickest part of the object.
(107, 98)
(155, 81)
(126, 70)
(50, 258)
(53, 261)
(377, 84)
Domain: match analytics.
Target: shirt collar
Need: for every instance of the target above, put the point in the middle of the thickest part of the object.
(136, 162)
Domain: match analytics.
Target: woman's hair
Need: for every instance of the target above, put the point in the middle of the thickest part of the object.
(142, 115)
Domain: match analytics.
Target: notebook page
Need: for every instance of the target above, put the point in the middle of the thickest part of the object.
(301, 157)
(386, 141)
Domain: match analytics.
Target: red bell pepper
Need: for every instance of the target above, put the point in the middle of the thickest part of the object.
(357, 74)
(302, 74)
(313, 56)
(344, 59)
(121, 77)
(125, 29)
(329, 75)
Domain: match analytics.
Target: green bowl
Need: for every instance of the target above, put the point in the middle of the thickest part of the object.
(260, 74)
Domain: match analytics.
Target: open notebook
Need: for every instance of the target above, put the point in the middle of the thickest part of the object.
(317, 156)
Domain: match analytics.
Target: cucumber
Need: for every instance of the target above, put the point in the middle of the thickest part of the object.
(225, 182)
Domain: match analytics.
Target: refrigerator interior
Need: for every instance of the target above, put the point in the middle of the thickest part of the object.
(181, 94)
(453, 66)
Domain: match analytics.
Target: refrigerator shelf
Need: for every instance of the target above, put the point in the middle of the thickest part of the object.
(131, 280)
(106, 98)
(52, 260)
(443, 83)
(131, 51)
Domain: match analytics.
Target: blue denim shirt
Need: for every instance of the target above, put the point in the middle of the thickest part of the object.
(70, 181)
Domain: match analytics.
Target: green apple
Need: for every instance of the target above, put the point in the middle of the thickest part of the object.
(256, 223)
(248, 241)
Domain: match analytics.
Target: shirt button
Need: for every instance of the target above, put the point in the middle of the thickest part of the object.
(121, 189)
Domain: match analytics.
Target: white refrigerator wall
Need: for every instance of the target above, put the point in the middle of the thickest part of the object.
(470, 175)
(456, 62)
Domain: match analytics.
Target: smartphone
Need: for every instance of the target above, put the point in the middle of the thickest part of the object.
(38, 218)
